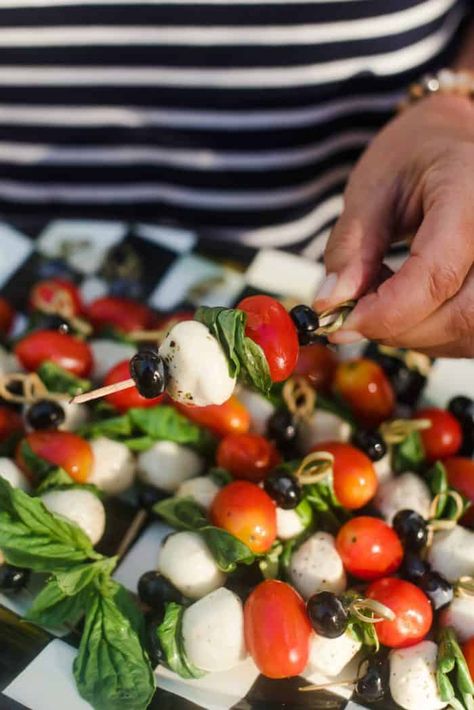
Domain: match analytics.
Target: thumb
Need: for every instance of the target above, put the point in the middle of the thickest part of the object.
(358, 241)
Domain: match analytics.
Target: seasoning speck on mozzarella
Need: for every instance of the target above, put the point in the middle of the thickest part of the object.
(413, 677)
(316, 566)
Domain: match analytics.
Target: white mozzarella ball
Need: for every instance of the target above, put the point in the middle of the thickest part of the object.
(197, 366)
(107, 353)
(186, 561)
(317, 567)
(202, 489)
(80, 507)
(259, 408)
(113, 467)
(413, 677)
(460, 615)
(75, 415)
(213, 631)
(166, 465)
(331, 656)
(320, 427)
(383, 468)
(401, 492)
(15, 477)
(8, 362)
(452, 553)
(289, 523)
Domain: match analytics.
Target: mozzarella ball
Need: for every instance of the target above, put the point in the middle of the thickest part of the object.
(202, 489)
(107, 353)
(198, 369)
(331, 656)
(322, 426)
(460, 615)
(8, 362)
(259, 408)
(383, 468)
(213, 631)
(15, 477)
(317, 567)
(80, 507)
(452, 553)
(405, 491)
(413, 677)
(186, 561)
(166, 465)
(113, 467)
(289, 523)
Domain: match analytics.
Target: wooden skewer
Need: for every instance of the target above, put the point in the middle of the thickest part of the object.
(103, 391)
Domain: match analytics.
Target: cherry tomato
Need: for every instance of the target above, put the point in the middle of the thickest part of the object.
(10, 423)
(222, 419)
(354, 476)
(121, 313)
(468, 651)
(65, 350)
(367, 390)
(318, 364)
(7, 315)
(444, 437)
(277, 629)
(412, 609)
(246, 511)
(270, 326)
(131, 397)
(61, 448)
(460, 472)
(247, 456)
(369, 548)
(46, 292)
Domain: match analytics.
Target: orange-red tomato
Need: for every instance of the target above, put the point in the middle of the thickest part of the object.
(369, 548)
(65, 350)
(277, 629)
(10, 423)
(460, 472)
(61, 448)
(270, 326)
(221, 419)
(7, 314)
(247, 456)
(367, 390)
(354, 477)
(131, 397)
(121, 313)
(412, 609)
(46, 292)
(246, 511)
(468, 651)
(444, 437)
(318, 364)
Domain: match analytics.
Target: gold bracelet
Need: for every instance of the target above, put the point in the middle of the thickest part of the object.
(445, 81)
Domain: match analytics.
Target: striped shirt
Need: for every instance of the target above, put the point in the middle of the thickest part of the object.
(239, 118)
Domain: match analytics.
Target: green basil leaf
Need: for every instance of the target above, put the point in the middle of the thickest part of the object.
(219, 476)
(53, 608)
(73, 580)
(254, 363)
(129, 608)
(446, 508)
(164, 423)
(57, 479)
(112, 428)
(38, 467)
(305, 513)
(362, 631)
(269, 564)
(171, 640)
(111, 669)
(409, 455)
(452, 671)
(226, 549)
(9, 445)
(181, 513)
(56, 379)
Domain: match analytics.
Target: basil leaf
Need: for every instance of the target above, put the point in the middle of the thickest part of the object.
(128, 607)
(112, 428)
(53, 608)
(226, 549)
(73, 580)
(31, 536)
(57, 479)
(409, 455)
(219, 476)
(164, 423)
(171, 640)
(56, 379)
(330, 514)
(269, 564)
(454, 681)
(139, 443)
(304, 512)
(37, 466)
(111, 669)
(362, 631)
(438, 482)
(181, 513)
(9, 445)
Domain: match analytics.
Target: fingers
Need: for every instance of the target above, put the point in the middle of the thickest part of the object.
(463, 348)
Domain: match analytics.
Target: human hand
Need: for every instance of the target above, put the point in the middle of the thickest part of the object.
(416, 177)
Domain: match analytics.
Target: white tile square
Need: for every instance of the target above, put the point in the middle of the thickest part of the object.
(177, 240)
(285, 274)
(142, 556)
(15, 248)
(449, 378)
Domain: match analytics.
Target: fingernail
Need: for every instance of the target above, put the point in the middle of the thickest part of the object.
(345, 337)
(326, 288)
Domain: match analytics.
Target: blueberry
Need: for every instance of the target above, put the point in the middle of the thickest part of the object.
(155, 590)
(306, 321)
(13, 579)
(371, 443)
(45, 414)
(283, 488)
(281, 428)
(327, 614)
(462, 407)
(373, 685)
(413, 567)
(438, 590)
(149, 373)
(411, 528)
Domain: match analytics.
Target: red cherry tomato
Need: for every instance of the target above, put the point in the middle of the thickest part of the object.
(65, 350)
(121, 313)
(369, 548)
(7, 315)
(318, 364)
(460, 472)
(222, 419)
(365, 387)
(354, 477)
(468, 651)
(247, 456)
(10, 423)
(444, 437)
(131, 397)
(246, 511)
(61, 448)
(277, 629)
(412, 609)
(44, 293)
(270, 326)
